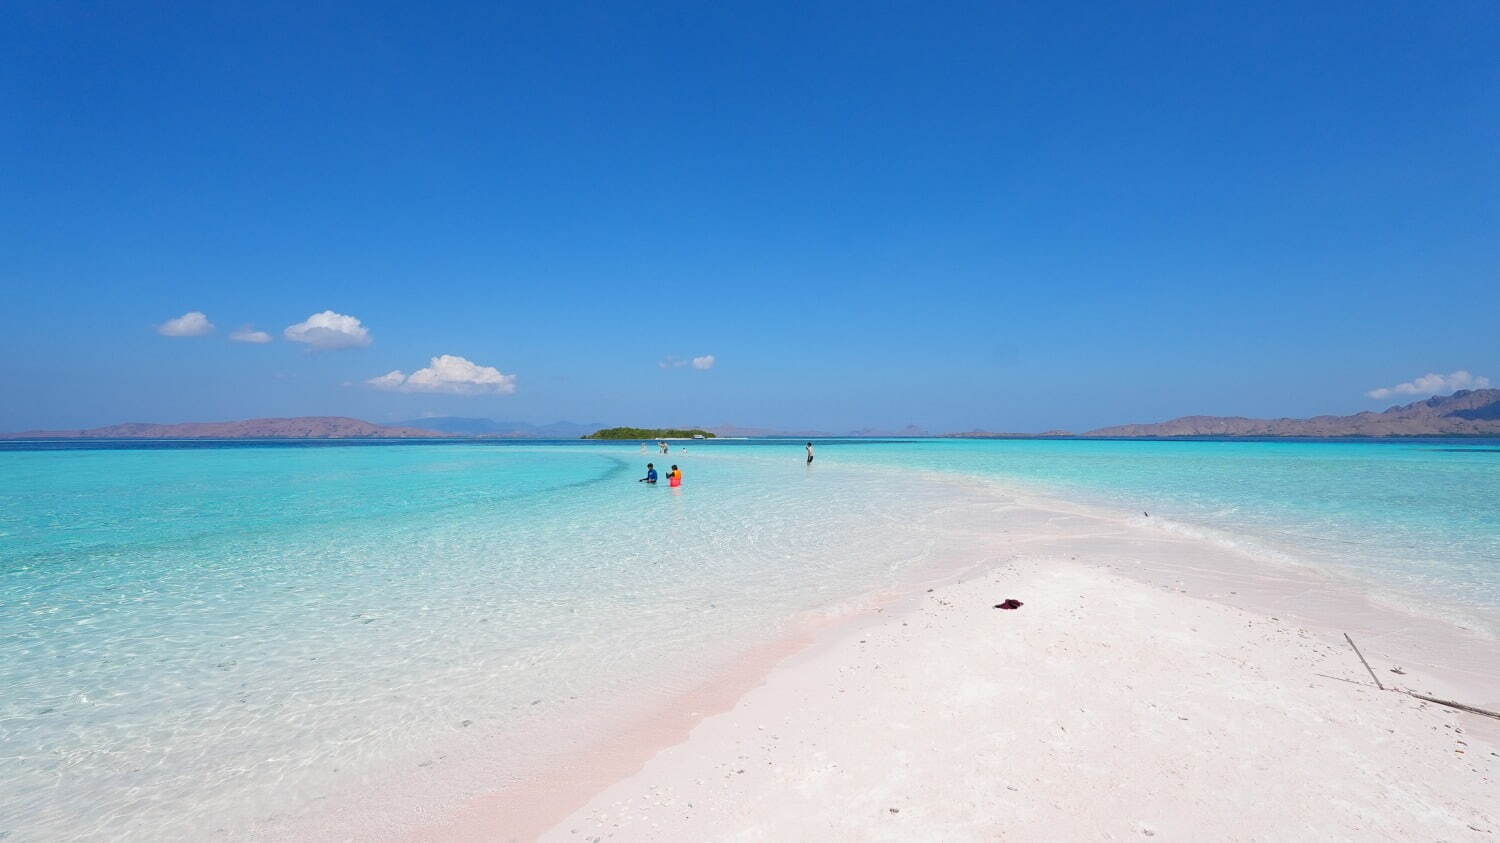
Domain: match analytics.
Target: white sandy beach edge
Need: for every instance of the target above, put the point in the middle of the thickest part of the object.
(1167, 702)
(1101, 709)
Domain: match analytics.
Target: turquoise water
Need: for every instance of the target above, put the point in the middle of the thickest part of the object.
(210, 639)
(1421, 515)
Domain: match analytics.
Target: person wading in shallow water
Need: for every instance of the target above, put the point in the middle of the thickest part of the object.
(650, 478)
(674, 477)
(809, 453)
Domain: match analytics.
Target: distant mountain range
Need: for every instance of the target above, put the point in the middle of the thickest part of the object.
(1468, 412)
(307, 427)
(321, 427)
(461, 426)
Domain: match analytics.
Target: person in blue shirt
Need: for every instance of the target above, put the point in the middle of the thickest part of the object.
(650, 477)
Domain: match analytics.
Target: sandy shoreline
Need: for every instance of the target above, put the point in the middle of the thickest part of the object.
(1152, 684)
(1100, 709)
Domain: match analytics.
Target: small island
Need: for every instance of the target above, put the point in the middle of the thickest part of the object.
(647, 433)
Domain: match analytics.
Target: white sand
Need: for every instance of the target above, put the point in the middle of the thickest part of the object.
(1166, 703)
(1102, 708)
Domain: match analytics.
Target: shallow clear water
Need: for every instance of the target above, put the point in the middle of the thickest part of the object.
(204, 638)
(1421, 516)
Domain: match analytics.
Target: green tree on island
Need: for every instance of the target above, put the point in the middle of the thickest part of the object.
(647, 433)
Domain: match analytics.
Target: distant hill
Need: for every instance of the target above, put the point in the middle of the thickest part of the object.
(461, 426)
(1468, 412)
(307, 427)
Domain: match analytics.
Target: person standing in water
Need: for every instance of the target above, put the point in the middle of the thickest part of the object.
(809, 453)
(674, 477)
(650, 478)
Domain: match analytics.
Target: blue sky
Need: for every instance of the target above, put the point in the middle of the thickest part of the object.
(1007, 216)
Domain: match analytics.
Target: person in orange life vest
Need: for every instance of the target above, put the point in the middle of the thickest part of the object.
(674, 477)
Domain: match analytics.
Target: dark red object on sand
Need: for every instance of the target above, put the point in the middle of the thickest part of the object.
(1010, 603)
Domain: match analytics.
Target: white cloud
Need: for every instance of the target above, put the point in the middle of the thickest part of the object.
(249, 334)
(390, 380)
(329, 330)
(190, 324)
(450, 374)
(672, 361)
(1433, 383)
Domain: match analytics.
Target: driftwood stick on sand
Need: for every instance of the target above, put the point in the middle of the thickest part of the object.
(1458, 705)
(1473, 709)
(1363, 662)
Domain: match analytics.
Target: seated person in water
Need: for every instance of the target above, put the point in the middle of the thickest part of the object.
(650, 474)
(674, 477)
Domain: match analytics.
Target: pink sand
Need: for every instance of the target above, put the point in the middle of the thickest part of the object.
(1153, 684)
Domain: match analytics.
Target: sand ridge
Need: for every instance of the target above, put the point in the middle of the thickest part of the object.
(1104, 708)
